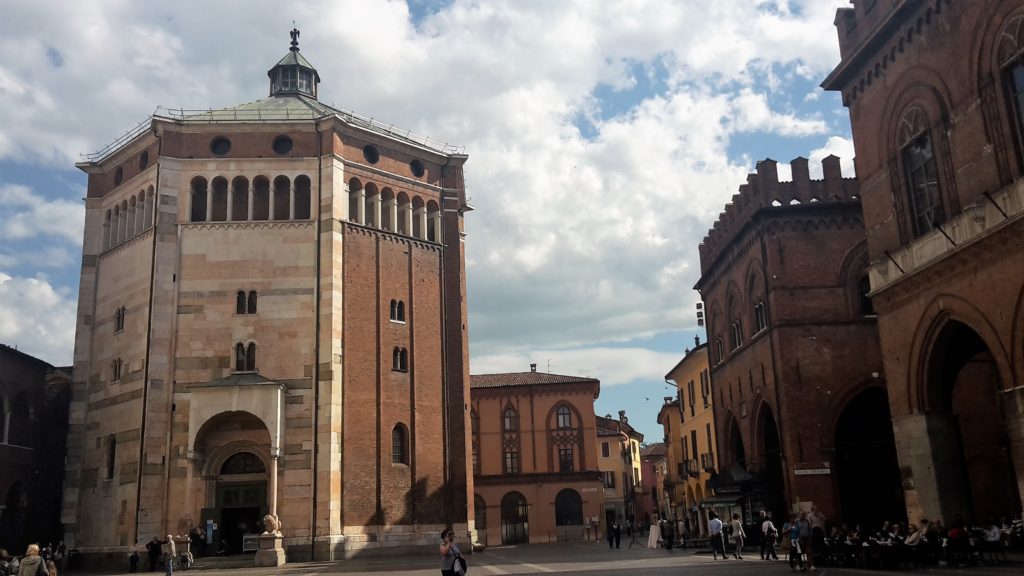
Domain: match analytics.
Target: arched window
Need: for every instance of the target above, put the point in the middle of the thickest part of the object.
(302, 198)
(510, 420)
(107, 243)
(245, 357)
(400, 315)
(122, 223)
(131, 218)
(399, 445)
(355, 201)
(218, 212)
(240, 302)
(404, 214)
(400, 360)
(419, 218)
(564, 417)
(243, 463)
(239, 198)
(433, 222)
(511, 460)
(197, 200)
(116, 369)
(920, 172)
(388, 210)
(260, 198)
(140, 213)
(760, 317)
(251, 308)
(111, 456)
(719, 350)
(568, 508)
(371, 205)
(282, 198)
(117, 321)
(148, 216)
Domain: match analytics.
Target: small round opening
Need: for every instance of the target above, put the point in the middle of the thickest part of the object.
(143, 160)
(371, 154)
(118, 176)
(282, 144)
(220, 145)
(417, 168)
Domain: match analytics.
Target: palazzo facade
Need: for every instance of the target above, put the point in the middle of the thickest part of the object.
(272, 320)
(935, 91)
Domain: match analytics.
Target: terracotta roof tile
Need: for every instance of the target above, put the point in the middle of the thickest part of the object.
(523, 379)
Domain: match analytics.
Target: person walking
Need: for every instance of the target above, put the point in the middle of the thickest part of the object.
(618, 533)
(738, 536)
(804, 526)
(32, 564)
(769, 534)
(170, 552)
(816, 521)
(450, 554)
(715, 530)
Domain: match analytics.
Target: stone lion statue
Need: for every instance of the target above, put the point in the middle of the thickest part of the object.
(272, 524)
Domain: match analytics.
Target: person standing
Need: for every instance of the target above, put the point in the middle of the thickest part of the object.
(450, 553)
(819, 529)
(715, 530)
(170, 551)
(153, 553)
(618, 533)
(738, 535)
(133, 558)
(5, 566)
(32, 564)
(769, 534)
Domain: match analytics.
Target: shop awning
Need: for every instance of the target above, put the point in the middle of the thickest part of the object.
(720, 501)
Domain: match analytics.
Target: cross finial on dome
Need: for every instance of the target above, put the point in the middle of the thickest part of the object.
(295, 37)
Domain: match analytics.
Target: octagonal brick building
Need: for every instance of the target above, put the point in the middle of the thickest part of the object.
(272, 319)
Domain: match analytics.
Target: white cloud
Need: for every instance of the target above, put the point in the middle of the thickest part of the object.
(38, 318)
(29, 215)
(838, 146)
(575, 240)
(612, 366)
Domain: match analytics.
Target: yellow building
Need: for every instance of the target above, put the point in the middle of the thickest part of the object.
(695, 437)
(618, 459)
(673, 486)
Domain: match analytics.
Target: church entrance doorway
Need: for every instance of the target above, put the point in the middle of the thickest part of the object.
(515, 526)
(771, 475)
(241, 501)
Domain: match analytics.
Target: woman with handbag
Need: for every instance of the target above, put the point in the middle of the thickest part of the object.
(452, 562)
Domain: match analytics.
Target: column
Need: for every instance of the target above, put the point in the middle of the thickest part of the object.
(231, 199)
(106, 244)
(407, 217)
(376, 211)
(291, 201)
(391, 208)
(249, 215)
(272, 483)
(436, 218)
(361, 208)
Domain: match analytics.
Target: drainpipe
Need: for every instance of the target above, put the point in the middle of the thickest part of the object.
(316, 337)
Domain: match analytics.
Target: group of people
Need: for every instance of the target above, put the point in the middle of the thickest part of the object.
(33, 563)
(159, 552)
(716, 530)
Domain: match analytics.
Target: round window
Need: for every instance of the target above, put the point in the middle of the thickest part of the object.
(220, 145)
(118, 176)
(371, 154)
(417, 168)
(143, 160)
(282, 144)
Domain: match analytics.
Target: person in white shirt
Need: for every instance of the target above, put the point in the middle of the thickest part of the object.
(715, 529)
(738, 535)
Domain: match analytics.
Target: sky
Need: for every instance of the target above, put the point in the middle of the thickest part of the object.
(604, 138)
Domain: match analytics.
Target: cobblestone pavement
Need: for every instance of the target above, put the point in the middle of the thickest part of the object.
(584, 559)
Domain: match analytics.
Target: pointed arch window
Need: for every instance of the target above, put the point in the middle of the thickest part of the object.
(119, 319)
(510, 420)
(116, 369)
(399, 445)
(564, 417)
(245, 303)
(760, 318)
(923, 182)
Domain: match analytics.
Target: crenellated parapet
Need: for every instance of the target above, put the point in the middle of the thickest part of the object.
(764, 191)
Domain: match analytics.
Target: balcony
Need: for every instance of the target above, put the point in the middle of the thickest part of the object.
(707, 462)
